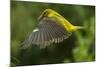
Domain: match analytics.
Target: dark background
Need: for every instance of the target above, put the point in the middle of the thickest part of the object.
(79, 47)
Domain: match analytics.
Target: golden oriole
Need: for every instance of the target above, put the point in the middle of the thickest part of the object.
(52, 28)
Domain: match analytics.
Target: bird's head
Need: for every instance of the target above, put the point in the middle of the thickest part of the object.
(48, 13)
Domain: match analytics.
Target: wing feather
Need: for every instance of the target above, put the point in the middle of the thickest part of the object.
(47, 32)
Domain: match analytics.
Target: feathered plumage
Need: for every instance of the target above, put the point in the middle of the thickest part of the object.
(52, 28)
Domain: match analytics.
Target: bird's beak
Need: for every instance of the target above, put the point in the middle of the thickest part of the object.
(40, 17)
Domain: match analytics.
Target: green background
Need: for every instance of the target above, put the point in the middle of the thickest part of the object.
(79, 47)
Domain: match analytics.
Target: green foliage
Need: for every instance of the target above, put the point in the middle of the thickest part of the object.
(78, 47)
(85, 43)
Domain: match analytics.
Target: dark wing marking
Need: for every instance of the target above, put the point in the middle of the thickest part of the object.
(47, 32)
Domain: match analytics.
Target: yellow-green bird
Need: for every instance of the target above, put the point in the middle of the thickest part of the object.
(52, 28)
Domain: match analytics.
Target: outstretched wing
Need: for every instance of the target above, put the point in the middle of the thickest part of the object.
(47, 32)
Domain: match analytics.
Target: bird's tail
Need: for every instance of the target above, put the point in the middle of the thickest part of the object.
(80, 27)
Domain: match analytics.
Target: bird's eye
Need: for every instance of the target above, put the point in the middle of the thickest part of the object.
(46, 13)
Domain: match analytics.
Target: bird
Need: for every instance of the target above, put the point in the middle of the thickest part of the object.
(52, 28)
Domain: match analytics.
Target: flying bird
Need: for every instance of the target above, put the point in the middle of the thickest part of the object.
(52, 28)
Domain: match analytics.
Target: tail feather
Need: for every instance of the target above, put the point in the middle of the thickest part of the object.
(79, 27)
